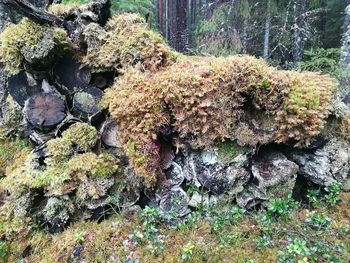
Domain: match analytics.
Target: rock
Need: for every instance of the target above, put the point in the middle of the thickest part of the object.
(220, 170)
(56, 213)
(174, 203)
(272, 170)
(251, 197)
(129, 197)
(175, 174)
(198, 199)
(324, 165)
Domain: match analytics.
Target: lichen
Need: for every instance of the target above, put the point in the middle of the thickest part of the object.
(26, 34)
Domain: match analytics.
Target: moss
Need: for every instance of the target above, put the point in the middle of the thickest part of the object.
(64, 9)
(126, 41)
(10, 150)
(344, 127)
(58, 150)
(91, 164)
(229, 150)
(25, 34)
(82, 135)
(204, 99)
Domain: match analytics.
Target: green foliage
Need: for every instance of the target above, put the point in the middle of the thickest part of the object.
(317, 220)
(334, 190)
(3, 250)
(321, 60)
(280, 209)
(187, 251)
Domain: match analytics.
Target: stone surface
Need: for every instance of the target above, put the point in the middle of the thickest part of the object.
(325, 165)
(219, 176)
(174, 203)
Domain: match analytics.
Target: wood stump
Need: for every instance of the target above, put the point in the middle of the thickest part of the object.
(21, 89)
(86, 103)
(45, 111)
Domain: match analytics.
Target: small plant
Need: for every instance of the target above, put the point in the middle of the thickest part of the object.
(187, 251)
(3, 249)
(334, 189)
(80, 236)
(317, 220)
(314, 198)
(279, 209)
(296, 251)
(147, 233)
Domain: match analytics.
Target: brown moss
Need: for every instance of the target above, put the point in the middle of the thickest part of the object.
(344, 127)
(204, 99)
(126, 41)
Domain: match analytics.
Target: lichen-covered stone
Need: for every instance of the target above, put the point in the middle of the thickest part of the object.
(174, 203)
(325, 165)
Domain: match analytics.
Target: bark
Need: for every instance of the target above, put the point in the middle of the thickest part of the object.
(345, 59)
(160, 15)
(38, 15)
(298, 46)
(181, 26)
(267, 31)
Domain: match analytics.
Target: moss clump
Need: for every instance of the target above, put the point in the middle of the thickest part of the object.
(82, 135)
(125, 41)
(229, 150)
(205, 99)
(26, 34)
(64, 9)
(91, 164)
(344, 127)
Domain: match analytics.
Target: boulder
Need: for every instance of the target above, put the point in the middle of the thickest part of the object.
(174, 203)
(325, 165)
(222, 169)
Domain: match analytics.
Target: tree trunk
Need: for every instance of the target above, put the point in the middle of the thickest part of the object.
(345, 59)
(298, 46)
(160, 16)
(38, 15)
(181, 25)
(267, 31)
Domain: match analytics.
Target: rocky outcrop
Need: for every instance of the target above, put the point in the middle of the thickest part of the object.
(325, 165)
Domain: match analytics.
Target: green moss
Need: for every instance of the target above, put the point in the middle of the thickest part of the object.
(93, 165)
(58, 150)
(82, 135)
(229, 150)
(25, 34)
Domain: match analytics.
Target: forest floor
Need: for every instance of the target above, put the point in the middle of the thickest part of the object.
(287, 231)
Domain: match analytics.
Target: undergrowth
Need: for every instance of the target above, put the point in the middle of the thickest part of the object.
(212, 234)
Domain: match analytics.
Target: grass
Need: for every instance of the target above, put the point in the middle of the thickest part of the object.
(306, 235)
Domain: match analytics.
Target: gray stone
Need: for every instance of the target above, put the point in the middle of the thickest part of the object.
(251, 197)
(174, 203)
(219, 176)
(325, 165)
(198, 199)
(175, 174)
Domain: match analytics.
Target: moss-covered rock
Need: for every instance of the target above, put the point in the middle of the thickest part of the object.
(82, 135)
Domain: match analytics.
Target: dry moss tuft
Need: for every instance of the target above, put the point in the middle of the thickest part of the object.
(202, 100)
(344, 127)
(126, 41)
(26, 34)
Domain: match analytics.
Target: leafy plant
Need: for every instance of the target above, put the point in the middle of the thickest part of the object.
(187, 251)
(334, 189)
(317, 220)
(3, 249)
(279, 209)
